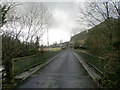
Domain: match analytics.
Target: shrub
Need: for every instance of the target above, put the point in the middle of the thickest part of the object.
(111, 78)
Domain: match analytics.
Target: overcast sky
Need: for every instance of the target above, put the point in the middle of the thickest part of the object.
(65, 22)
(65, 16)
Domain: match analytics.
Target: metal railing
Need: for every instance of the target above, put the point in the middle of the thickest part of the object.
(94, 61)
(19, 65)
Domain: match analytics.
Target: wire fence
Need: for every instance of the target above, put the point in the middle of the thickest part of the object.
(94, 61)
(25, 63)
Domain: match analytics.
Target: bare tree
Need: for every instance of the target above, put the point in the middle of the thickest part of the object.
(5, 7)
(36, 19)
(97, 12)
(27, 22)
(29, 19)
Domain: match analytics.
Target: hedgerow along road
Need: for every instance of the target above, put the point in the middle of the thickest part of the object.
(64, 72)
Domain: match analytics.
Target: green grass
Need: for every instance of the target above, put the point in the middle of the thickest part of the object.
(52, 49)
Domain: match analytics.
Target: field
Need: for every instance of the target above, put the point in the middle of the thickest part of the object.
(52, 49)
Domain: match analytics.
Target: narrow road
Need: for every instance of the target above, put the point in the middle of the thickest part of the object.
(64, 72)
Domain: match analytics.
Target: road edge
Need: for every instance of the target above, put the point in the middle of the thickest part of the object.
(88, 68)
(100, 72)
(31, 71)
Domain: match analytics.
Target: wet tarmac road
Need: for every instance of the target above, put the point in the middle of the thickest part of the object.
(64, 72)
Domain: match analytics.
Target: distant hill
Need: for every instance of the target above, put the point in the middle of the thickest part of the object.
(100, 30)
(81, 35)
(78, 39)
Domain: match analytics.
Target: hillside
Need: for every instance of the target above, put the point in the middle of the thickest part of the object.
(81, 35)
(103, 32)
(78, 39)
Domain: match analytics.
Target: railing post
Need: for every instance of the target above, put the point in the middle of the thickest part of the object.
(12, 69)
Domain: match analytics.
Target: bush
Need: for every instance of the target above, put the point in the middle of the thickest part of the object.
(83, 47)
(111, 78)
(14, 48)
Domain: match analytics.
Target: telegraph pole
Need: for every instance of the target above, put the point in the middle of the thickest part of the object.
(48, 38)
(118, 20)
